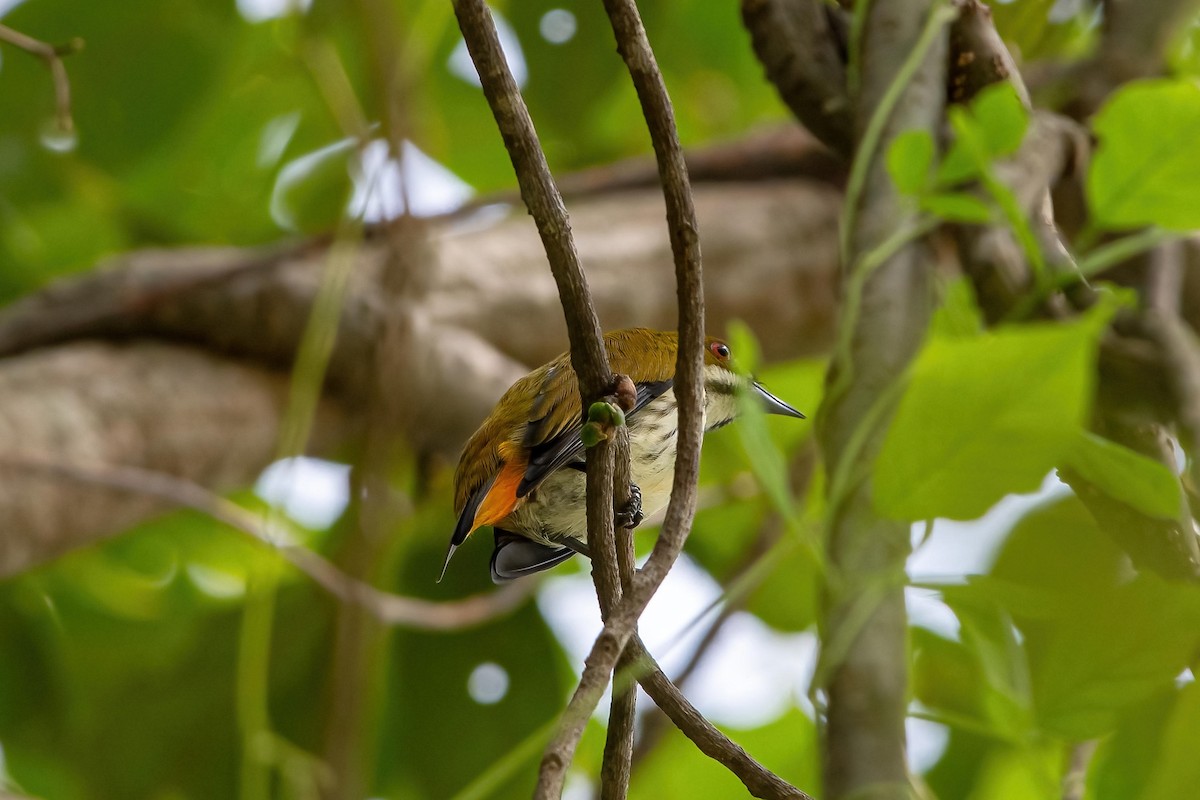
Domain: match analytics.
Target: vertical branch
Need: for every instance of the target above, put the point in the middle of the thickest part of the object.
(634, 48)
(540, 194)
(863, 672)
(689, 392)
(588, 358)
(617, 766)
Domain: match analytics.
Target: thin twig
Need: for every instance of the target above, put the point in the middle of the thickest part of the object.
(654, 725)
(689, 392)
(617, 765)
(685, 245)
(588, 358)
(735, 593)
(387, 608)
(1074, 784)
(540, 194)
(757, 779)
(52, 55)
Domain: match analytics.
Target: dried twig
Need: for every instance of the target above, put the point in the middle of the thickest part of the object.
(52, 55)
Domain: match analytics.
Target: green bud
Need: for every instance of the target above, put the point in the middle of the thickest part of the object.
(606, 414)
(592, 434)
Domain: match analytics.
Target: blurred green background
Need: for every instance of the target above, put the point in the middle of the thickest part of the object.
(126, 670)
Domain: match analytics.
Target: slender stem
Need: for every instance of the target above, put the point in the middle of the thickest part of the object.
(588, 359)
(758, 780)
(389, 609)
(52, 55)
(689, 392)
(1112, 253)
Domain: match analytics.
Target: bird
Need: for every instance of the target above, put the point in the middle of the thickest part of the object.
(522, 471)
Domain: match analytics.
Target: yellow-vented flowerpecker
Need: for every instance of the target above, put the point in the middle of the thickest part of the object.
(522, 472)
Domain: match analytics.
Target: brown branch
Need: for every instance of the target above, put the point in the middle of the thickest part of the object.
(52, 55)
(387, 608)
(617, 765)
(655, 724)
(978, 57)
(688, 388)
(990, 254)
(758, 780)
(735, 598)
(587, 353)
(540, 195)
(685, 245)
(795, 42)
(1169, 547)
(864, 629)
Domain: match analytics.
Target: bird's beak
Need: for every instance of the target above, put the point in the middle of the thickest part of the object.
(446, 563)
(772, 404)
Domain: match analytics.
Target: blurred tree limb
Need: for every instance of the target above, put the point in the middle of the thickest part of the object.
(385, 607)
(206, 335)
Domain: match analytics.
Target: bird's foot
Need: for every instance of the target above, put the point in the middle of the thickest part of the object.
(630, 515)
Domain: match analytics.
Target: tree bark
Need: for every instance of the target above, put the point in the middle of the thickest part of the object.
(863, 666)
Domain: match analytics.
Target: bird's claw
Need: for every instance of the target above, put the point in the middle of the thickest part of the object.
(630, 515)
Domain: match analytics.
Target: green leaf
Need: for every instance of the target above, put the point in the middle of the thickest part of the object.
(1144, 171)
(764, 454)
(958, 315)
(958, 207)
(992, 127)
(1031, 773)
(1126, 475)
(1001, 117)
(1059, 548)
(1176, 772)
(984, 417)
(1130, 643)
(311, 192)
(909, 160)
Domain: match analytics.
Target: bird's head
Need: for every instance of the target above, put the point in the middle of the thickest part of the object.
(723, 383)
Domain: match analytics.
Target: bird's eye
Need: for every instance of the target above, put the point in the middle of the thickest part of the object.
(720, 350)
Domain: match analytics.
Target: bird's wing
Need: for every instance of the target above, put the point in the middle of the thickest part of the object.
(552, 448)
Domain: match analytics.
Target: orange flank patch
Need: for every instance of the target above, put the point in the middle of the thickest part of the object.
(501, 500)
